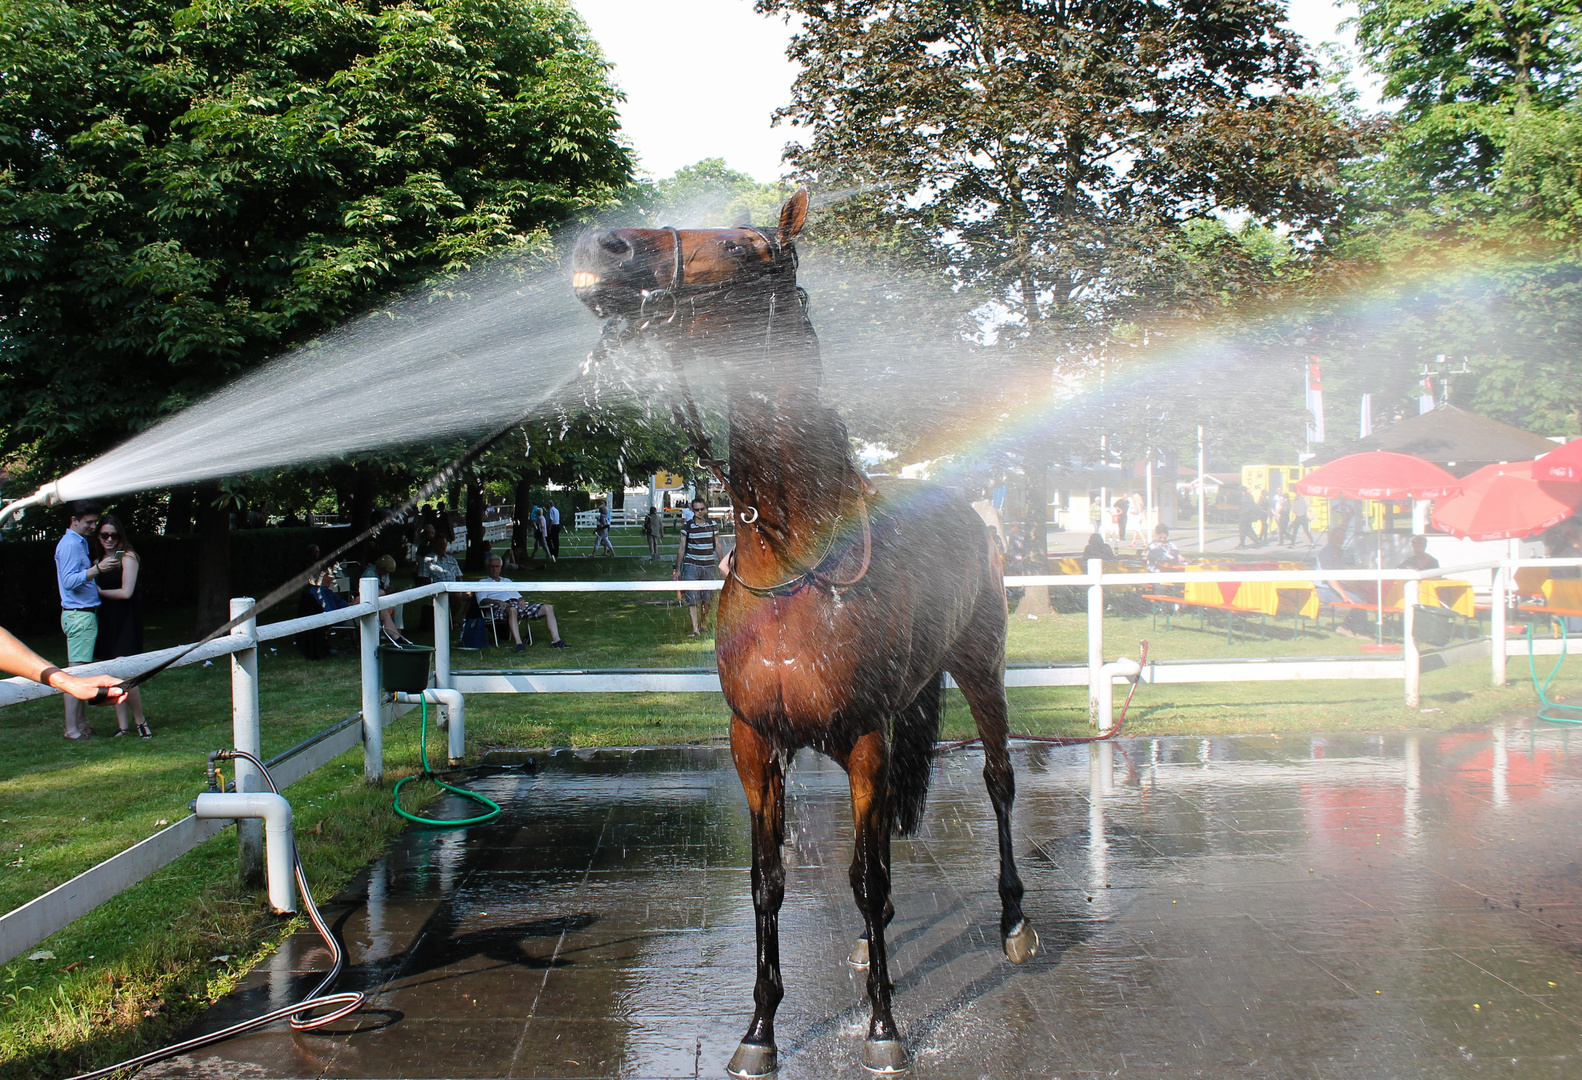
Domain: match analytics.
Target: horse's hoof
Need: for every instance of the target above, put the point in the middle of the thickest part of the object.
(1021, 943)
(885, 1057)
(752, 1060)
(859, 953)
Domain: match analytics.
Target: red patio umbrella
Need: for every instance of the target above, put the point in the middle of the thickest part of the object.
(1500, 502)
(1562, 464)
(1379, 474)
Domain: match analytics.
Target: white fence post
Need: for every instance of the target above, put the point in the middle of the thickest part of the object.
(1414, 658)
(1498, 601)
(442, 640)
(245, 735)
(373, 726)
(1095, 637)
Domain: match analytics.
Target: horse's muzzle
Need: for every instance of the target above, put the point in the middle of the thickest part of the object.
(607, 274)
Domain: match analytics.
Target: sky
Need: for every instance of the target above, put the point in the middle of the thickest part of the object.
(675, 116)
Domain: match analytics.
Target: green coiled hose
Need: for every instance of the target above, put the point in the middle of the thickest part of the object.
(1547, 709)
(428, 774)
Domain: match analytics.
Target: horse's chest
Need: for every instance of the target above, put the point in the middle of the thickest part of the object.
(807, 663)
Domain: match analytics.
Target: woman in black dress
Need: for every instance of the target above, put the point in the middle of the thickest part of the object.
(120, 617)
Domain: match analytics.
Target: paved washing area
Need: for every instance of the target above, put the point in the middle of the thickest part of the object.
(1333, 906)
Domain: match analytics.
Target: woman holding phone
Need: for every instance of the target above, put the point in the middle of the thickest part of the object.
(120, 617)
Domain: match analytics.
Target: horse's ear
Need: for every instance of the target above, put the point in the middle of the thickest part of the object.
(793, 216)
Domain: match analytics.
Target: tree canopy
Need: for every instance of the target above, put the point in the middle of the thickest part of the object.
(188, 187)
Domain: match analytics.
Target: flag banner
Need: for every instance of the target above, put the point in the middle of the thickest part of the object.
(1425, 400)
(1315, 402)
(1365, 427)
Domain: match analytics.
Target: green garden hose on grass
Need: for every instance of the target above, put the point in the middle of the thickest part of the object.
(428, 774)
(1547, 710)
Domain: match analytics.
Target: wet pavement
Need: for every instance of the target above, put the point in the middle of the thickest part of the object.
(1333, 906)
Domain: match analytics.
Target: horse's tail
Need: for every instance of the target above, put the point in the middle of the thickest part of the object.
(913, 734)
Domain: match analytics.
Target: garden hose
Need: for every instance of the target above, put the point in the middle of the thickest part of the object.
(428, 774)
(340, 1005)
(1547, 709)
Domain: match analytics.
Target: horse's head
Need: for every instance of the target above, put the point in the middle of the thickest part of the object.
(716, 276)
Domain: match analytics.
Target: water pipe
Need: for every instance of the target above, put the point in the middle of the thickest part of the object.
(1125, 668)
(48, 495)
(452, 715)
(279, 847)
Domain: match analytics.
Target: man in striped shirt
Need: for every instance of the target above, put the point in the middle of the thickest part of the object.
(696, 556)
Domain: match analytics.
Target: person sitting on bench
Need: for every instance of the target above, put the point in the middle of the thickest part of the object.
(1332, 557)
(1419, 559)
(516, 608)
(1097, 548)
(1162, 554)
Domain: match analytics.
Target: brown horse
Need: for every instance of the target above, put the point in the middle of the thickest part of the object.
(845, 604)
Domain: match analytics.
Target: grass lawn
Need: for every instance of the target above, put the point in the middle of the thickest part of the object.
(125, 975)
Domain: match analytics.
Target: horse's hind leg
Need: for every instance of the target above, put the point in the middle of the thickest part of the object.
(763, 779)
(983, 685)
(868, 768)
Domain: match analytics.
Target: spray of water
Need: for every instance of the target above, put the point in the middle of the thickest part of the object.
(497, 346)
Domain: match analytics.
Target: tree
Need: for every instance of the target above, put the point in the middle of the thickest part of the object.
(185, 189)
(1047, 151)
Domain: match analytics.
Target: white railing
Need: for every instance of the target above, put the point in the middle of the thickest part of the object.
(36, 920)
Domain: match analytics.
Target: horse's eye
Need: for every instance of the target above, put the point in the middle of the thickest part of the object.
(733, 248)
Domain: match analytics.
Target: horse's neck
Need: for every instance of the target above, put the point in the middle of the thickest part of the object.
(791, 460)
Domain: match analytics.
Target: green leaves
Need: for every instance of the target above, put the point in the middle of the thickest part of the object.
(186, 190)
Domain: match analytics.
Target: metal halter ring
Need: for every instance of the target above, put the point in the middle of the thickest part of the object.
(744, 519)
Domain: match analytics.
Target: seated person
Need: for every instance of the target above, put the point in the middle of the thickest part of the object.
(1097, 548)
(438, 564)
(381, 568)
(1332, 557)
(1419, 559)
(516, 608)
(1162, 554)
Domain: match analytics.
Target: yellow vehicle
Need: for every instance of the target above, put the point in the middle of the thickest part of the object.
(1258, 479)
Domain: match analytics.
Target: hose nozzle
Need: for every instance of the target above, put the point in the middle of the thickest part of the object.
(48, 495)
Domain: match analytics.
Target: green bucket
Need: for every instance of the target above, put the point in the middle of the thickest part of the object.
(404, 670)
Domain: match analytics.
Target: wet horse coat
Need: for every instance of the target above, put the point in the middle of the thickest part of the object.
(846, 602)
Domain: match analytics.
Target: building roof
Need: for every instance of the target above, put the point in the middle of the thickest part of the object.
(1459, 440)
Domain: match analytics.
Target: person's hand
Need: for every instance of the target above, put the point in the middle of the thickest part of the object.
(87, 687)
(675, 575)
(107, 564)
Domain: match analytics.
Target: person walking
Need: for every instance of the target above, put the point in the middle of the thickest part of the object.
(1265, 514)
(1137, 514)
(696, 556)
(1118, 519)
(120, 617)
(1246, 514)
(540, 534)
(75, 574)
(652, 526)
(1299, 508)
(1282, 513)
(601, 530)
(554, 533)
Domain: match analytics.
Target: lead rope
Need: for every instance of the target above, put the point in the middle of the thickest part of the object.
(1066, 740)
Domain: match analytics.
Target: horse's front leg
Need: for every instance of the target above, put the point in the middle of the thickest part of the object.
(758, 765)
(868, 767)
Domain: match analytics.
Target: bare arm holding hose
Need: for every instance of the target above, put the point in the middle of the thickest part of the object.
(17, 659)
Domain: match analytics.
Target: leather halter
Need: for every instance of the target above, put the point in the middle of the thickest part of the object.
(687, 416)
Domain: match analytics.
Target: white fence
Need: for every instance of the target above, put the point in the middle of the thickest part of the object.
(36, 920)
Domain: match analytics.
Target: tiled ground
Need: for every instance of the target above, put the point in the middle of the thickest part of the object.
(1348, 907)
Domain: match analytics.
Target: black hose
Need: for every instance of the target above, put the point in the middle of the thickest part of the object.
(340, 1005)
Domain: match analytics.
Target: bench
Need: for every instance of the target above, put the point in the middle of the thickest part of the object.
(1162, 604)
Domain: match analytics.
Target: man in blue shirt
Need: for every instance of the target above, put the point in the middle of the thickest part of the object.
(1332, 556)
(75, 572)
